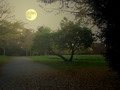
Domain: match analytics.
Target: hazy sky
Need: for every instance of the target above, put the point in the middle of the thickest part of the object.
(44, 18)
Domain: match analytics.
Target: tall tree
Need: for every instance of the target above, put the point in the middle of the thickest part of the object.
(41, 41)
(9, 31)
(26, 40)
(5, 14)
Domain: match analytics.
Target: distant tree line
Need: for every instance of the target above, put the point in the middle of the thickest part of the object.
(15, 39)
(71, 38)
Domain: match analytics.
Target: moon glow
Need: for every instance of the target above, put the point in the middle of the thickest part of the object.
(31, 14)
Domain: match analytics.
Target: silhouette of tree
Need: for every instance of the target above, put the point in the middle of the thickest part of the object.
(107, 17)
(5, 11)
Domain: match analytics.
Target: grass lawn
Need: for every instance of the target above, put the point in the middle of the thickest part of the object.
(4, 59)
(79, 61)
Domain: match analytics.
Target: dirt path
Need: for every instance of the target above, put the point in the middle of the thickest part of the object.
(24, 74)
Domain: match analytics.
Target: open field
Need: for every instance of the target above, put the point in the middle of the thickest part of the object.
(79, 61)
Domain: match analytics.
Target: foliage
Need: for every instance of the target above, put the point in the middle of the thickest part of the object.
(25, 40)
(70, 37)
(9, 36)
(106, 16)
(41, 40)
(8, 30)
(6, 33)
(75, 35)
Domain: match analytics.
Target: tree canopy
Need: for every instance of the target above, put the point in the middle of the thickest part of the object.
(70, 37)
(8, 32)
(41, 40)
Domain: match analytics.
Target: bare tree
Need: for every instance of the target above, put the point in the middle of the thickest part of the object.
(5, 11)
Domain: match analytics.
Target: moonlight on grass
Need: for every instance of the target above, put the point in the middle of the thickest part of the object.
(31, 14)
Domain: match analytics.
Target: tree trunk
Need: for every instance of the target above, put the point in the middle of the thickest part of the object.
(71, 57)
(26, 53)
(62, 57)
(4, 51)
(59, 55)
(30, 53)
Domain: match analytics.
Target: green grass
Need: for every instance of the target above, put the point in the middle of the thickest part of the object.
(79, 61)
(4, 59)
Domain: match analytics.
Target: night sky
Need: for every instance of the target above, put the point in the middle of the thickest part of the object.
(51, 20)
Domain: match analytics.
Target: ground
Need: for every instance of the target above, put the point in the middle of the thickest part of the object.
(22, 73)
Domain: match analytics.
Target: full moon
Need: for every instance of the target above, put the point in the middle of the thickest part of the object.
(31, 14)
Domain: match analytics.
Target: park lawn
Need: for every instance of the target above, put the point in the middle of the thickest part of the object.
(79, 61)
(4, 59)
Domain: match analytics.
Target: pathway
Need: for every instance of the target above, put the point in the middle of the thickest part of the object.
(24, 74)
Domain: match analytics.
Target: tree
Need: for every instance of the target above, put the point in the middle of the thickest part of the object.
(9, 31)
(5, 14)
(106, 16)
(41, 41)
(5, 11)
(25, 40)
(70, 37)
(79, 8)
